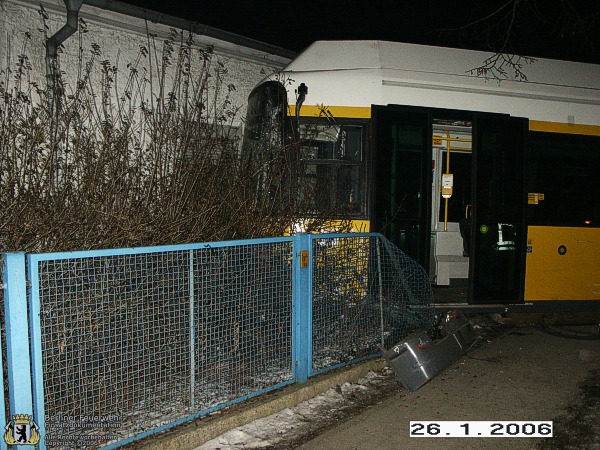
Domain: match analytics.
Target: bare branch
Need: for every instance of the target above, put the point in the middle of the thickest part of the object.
(146, 157)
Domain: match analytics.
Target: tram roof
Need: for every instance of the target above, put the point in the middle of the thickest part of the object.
(395, 56)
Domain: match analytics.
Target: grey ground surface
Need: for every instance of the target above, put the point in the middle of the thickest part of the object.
(522, 374)
(515, 372)
(512, 374)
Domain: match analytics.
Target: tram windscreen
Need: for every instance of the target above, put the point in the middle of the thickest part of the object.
(264, 120)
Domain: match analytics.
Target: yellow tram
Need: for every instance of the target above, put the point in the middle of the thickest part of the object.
(478, 175)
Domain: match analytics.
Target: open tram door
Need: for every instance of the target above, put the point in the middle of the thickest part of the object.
(475, 236)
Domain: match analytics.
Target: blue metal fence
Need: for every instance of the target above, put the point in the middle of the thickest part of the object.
(4, 390)
(362, 290)
(107, 347)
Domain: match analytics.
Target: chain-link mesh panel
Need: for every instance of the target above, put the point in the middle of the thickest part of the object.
(144, 340)
(243, 320)
(363, 291)
(115, 342)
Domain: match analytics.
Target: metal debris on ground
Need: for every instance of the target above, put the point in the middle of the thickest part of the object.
(420, 357)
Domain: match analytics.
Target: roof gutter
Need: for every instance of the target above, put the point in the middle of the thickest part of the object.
(196, 28)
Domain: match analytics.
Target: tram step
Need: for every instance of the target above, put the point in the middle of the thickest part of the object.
(451, 266)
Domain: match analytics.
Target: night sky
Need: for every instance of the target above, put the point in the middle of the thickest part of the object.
(561, 29)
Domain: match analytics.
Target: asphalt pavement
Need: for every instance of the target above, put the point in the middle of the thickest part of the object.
(524, 374)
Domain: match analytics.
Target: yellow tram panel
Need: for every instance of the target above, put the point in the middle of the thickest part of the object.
(563, 263)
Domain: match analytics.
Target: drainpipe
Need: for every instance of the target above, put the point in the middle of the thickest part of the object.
(57, 39)
(52, 44)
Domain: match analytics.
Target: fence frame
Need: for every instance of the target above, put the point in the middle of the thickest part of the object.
(23, 323)
(17, 335)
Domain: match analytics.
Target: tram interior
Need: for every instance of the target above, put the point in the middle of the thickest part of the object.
(451, 209)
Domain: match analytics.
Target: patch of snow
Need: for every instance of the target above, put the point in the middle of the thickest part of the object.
(299, 420)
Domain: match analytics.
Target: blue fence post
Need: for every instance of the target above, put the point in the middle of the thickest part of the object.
(302, 304)
(39, 407)
(3, 421)
(192, 333)
(17, 335)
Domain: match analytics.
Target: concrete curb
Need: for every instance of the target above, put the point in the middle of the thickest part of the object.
(199, 431)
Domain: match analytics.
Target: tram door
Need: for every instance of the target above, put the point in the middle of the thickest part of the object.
(449, 191)
(401, 179)
(499, 201)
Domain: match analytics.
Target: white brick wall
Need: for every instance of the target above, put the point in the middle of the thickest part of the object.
(119, 37)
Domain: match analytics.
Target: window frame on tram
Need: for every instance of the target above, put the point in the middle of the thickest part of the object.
(320, 158)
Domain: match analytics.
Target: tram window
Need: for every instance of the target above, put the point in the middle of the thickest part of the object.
(564, 169)
(334, 167)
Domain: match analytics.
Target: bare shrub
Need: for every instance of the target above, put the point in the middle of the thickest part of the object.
(143, 153)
